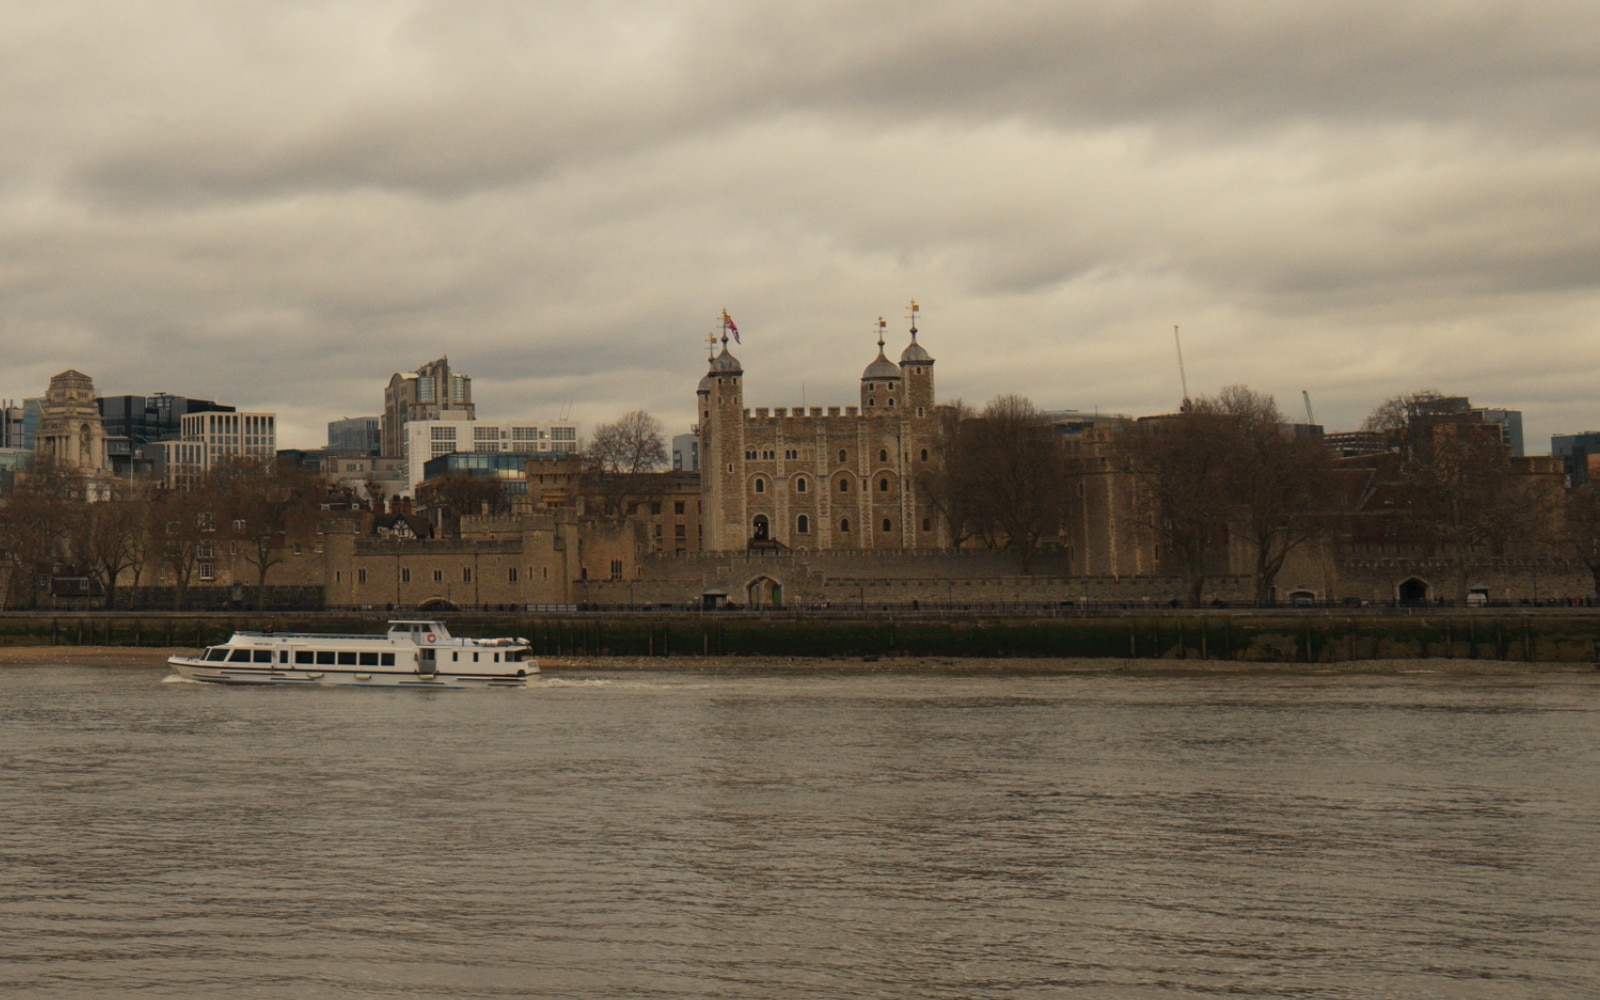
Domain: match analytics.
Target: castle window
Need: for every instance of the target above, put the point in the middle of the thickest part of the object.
(924, 454)
(616, 569)
(677, 506)
(883, 454)
(438, 576)
(405, 574)
(466, 574)
(886, 525)
(750, 454)
(511, 575)
(891, 402)
(844, 486)
(800, 485)
(761, 485)
(871, 401)
(791, 454)
(883, 486)
(768, 455)
(802, 526)
(841, 455)
(844, 526)
(927, 524)
(919, 411)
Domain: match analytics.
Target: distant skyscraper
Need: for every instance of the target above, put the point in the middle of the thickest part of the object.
(356, 436)
(686, 453)
(432, 392)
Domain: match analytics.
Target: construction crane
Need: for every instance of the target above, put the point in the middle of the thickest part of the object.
(1307, 396)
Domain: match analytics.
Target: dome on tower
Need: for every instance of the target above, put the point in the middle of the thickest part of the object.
(880, 369)
(725, 364)
(914, 353)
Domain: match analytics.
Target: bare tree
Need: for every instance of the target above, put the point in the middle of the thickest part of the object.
(261, 504)
(1278, 481)
(183, 526)
(620, 458)
(1581, 528)
(942, 481)
(43, 527)
(115, 538)
(1183, 487)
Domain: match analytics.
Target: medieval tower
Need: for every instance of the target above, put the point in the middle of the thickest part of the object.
(820, 477)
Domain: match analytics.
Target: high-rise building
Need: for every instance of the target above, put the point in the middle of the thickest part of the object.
(1577, 453)
(429, 439)
(356, 436)
(432, 392)
(686, 453)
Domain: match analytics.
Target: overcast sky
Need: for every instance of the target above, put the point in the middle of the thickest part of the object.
(278, 205)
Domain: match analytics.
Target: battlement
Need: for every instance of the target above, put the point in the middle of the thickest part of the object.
(780, 412)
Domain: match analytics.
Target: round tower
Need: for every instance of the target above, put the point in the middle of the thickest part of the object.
(882, 388)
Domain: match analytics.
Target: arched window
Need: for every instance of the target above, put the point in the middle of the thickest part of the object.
(762, 528)
(891, 402)
(800, 485)
(802, 525)
(761, 485)
(841, 456)
(883, 485)
(844, 486)
(927, 524)
(886, 525)
(883, 454)
(924, 454)
(844, 526)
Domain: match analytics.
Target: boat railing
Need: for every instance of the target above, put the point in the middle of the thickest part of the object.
(311, 635)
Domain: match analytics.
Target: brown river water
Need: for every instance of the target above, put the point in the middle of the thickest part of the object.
(803, 833)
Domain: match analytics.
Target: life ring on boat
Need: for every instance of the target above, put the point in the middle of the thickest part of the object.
(432, 637)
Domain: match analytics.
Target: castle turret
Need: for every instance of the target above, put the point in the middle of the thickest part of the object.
(882, 388)
(916, 366)
(720, 403)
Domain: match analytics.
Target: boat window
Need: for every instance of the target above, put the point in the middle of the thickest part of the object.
(474, 657)
(454, 657)
(216, 654)
(388, 659)
(239, 656)
(283, 656)
(497, 657)
(304, 656)
(263, 656)
(348, 658)
(369, 659)
(325, 657)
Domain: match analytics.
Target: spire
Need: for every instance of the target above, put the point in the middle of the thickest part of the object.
(913, 316)
(881, 325)
(914, 352)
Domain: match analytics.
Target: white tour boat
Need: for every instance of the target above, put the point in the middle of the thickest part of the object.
(418, 653)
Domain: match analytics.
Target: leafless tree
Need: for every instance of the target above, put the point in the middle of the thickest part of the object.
(999, 476)
(116, 536)
(261, 505)
(1581, 528)
(1278, 480)
(1183, 487)
(620, 458)
(43, 527)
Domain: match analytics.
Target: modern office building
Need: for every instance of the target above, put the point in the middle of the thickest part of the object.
(1579, 455)
(356, 436)
(432, 392)
(429, 439)
(686, 453)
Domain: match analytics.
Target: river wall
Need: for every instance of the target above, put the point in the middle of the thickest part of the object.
(1558, 635)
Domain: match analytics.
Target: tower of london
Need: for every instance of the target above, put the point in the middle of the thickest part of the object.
(820, 477)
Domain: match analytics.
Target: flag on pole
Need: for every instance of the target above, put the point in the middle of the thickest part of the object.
(733, 328)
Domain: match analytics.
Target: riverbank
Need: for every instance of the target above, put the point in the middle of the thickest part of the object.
(147, 657)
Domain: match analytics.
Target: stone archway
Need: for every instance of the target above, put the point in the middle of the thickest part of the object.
(763, 592)
(1412, 591)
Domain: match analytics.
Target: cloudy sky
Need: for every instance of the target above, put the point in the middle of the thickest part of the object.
(278, 205)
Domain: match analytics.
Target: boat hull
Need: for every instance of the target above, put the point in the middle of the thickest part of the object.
(213, 672)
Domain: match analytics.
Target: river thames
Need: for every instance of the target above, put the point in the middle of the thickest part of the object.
(819, 834)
